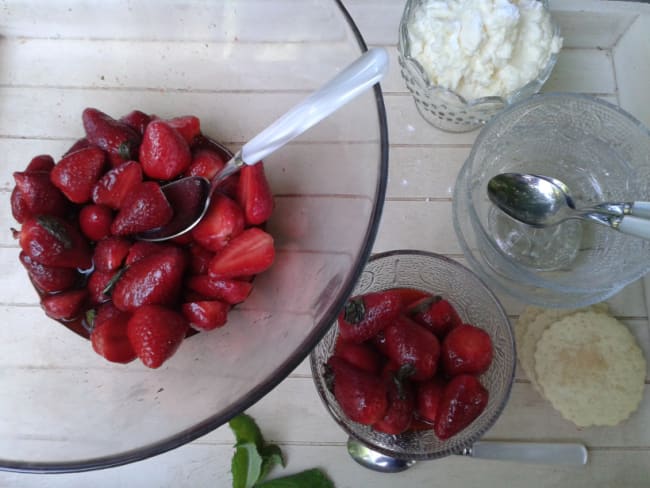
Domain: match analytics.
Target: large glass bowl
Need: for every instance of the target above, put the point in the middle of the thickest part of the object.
(475, 304)
(237, 65)
(601, 153)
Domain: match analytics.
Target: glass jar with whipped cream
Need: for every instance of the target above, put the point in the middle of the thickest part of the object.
(465, 60)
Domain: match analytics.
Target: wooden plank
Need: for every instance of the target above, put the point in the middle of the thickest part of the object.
(582, 70)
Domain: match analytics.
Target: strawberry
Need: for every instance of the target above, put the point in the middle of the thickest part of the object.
(409, 343)
(401, 401)
(110, 340)
(137, 120)
(37, 196)
(98, 283)
(110, 253)
(106, 311)
(364, 316)
(410, 295)
(76, 174)
(418, 425)
(153, 280)
(199, 258)
(65, 305)
(436, 314)
(463, 399)
(182, 240)
(78, 144)
(144, 209)
(43, 162)
(205, 163)
(223, 221)
(164, 154)
(205, 315)
(254, 194)
(119, 140)
(429, 393)
(141, 249)
(95, 221)
(117, 184)
(363, 356)
(249, 253)
(156, 332)
(230, 291)
(49, 279)
(52, 241)
(362, 396)
(187, 126)
(466, 350)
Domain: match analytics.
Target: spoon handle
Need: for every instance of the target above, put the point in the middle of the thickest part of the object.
(635, 226)
(352, 81)
(530, 452)
(640, 209)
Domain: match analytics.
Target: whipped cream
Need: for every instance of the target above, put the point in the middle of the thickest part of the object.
(480, 48)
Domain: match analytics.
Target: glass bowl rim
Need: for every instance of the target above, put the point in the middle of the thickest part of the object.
(494, 415)
(279, 374)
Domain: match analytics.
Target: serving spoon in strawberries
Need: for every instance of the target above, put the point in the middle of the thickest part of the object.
(190, 196)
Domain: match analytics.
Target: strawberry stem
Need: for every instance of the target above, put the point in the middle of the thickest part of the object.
(113, 281)
(403, 373)
(423, 305)
(354, 311)
(125, 150)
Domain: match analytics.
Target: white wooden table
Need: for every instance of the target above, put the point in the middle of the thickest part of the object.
(606, 53)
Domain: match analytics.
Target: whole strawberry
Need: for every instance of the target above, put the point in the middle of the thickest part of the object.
(109, 339)
(164, 153)
(76, 174)
(466, 349)
(364, 316)
(436, 314)
(155, 333)
(119, 140)
(362, 396)
(399, 414)
(49, 279)
(34, 195)
(363, 355)
(408, 343)
(463, 399)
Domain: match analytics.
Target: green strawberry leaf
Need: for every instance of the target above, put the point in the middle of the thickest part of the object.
(55, 229)
(108, 290)
(311, 478)
(271, 456)
(246, 430)
(246, 465)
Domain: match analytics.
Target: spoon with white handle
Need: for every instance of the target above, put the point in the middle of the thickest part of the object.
(190, 196)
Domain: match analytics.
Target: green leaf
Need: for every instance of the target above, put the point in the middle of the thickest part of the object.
(312, 478)
(246, 465)
(271, 456)
(246, 430)
(56, 229)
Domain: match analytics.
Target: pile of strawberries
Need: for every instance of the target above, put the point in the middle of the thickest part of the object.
(404, 360)
(80, 217)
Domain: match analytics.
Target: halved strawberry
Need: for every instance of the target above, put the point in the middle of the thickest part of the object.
(95, 221)
(76, 174)
(110, 253)
(254, 194)
(188, 126)
(164, 153)
(52, 241)
(230, 291)
(205, 163)
(249, 253)
(42, 162)
(110, 339)
(34, 194)
(206, 315)
(49, 279)
(144, 209)
(153, 280)
(156, 332)
(119, 140)
(137, 120)
(65, 305)
(223, 221)
(116, 184)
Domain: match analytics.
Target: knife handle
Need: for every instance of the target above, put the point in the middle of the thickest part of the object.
(531, 452)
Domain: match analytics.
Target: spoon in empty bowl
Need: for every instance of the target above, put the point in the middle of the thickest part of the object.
(190, 196)
(542, 201)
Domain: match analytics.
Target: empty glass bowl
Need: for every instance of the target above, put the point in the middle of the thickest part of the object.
(601, 153)
(237, 66)
(446, 109)
(475, 303)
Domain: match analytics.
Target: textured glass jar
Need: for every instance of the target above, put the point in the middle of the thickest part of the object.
(446, 109)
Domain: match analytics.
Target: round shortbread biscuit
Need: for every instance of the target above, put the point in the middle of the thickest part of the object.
(526, 316)
(591, 369)
(535, 329)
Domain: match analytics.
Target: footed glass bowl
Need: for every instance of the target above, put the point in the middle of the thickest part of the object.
(237, 65)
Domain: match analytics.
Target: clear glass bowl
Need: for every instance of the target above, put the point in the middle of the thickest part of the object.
(445, 109)
(238, 66)
(475, 303)
(601, 153)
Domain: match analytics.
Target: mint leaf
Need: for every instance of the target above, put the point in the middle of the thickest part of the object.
(312, 478)
(246, 430)
(246, 465)
(271, 456)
